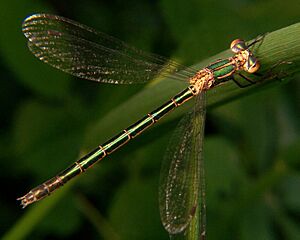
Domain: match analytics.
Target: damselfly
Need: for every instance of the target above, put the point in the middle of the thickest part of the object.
(89, 54)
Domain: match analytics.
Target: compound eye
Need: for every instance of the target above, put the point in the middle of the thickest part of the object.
(252, 65)
(238, 45)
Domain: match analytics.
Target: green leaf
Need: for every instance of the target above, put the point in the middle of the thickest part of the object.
(220, 181)
(256, 221)
(134, 211)
(290, 194)
(42, 132)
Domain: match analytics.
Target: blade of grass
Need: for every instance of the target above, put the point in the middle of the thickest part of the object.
(280, 46)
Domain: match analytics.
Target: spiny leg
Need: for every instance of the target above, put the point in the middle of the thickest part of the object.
(259, 38)
(250, 81)
(270, 73)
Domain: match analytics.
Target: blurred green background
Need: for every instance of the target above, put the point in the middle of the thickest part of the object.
(252, 145)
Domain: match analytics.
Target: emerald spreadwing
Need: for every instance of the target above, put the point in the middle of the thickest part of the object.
(86, 53)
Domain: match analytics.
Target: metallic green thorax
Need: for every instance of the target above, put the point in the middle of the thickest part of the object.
(222, 69)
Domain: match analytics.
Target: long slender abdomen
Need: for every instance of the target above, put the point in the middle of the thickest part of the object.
(105, 149)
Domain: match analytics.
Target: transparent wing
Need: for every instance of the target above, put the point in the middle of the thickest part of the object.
(87, 53)
(181, 190)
